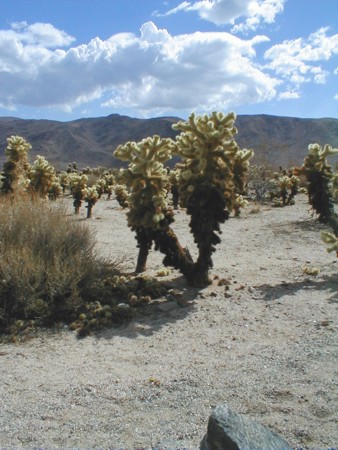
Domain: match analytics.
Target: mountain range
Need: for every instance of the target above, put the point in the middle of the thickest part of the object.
(90, 142)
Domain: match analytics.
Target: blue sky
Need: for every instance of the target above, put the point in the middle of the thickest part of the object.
(67, 59)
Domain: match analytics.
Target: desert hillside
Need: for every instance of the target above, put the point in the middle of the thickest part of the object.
(92, 141)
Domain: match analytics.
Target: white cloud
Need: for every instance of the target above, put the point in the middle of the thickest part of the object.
(38, 34)
(336, 97)
(153, 72)
(221, 12)
(297, 60)
(289, 95)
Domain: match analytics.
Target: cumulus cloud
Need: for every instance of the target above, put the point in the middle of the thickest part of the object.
(151, 72)
(299, 60)
(37, 34)
(221, 12)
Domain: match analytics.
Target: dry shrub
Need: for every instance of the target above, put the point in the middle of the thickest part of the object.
(48, 262)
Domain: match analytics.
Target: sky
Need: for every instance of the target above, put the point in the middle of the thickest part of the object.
(69, 59)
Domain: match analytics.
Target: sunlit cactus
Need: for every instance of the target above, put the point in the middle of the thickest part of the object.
(334, 186)
(283, 183)
(14, 174)
(240, 203)
(318, 173)
(63, 178)
(146, 179)
(55, 190)
(77, 184)
(241, 170)
(109, 184)
(207, 188)
(173, 180)
(214, 166)
(100, 185)
(121, 195)
(42, 176)
(321, 188)
(90, 196)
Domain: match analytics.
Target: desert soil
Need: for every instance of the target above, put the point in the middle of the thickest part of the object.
(266, 345)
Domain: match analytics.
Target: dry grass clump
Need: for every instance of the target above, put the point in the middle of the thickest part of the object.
(48, 264)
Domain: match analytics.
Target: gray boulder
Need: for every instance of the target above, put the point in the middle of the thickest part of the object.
(228, 430)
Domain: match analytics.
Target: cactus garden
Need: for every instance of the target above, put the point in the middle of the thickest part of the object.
(183, 277)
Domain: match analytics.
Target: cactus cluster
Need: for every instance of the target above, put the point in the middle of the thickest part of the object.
(212, 173)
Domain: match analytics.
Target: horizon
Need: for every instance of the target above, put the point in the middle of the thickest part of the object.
(65, 61)
(162, 117)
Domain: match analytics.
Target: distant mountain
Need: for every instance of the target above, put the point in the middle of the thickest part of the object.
(92, 141)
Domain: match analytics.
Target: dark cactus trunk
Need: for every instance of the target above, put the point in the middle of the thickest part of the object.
(144, 237)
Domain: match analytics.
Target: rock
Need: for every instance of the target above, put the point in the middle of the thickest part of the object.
(228, 430)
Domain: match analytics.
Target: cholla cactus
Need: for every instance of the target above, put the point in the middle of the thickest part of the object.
(121, 195)
(241, 170)
(63, 178)
(55, 190)
(91, 196)
(332, 240)
(213, 167)
(206, 186)
(100, 185)
(16, 167)
(146, 178)
(240, 202)
(77, 184)
(321, 190)
(109, 186)
(284, 183)
(173, 180)
(319, 174)
(334, 186)
(42, 176)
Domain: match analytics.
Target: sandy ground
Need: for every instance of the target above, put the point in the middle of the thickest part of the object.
(267, 346)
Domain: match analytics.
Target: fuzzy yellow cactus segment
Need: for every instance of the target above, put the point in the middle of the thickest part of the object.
(17, 149)
(334, 186)
(90, 193)
(42, 176)
(331, 240)
(241, 169)
(317, 156)
(15, 169)
(91, 196)
(77, 184)
(208, 150)
(121, 195)
(55, 190)
(319, 174)
(147, 179)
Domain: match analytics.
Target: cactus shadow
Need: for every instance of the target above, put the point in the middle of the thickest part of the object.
(328, 283)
